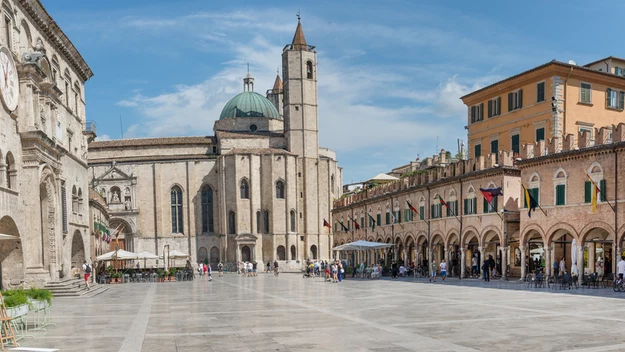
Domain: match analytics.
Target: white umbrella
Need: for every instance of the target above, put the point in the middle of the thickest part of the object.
(573, 255)
(146, 255)
(119, 254)
(174, 254)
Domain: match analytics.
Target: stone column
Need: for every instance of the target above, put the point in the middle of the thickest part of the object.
(463, 262)
(504, 263)
(522, 248)
(238, 254)
(287, 251)
(548, 261)
(405, 257)
(580, 262)
(482, 258)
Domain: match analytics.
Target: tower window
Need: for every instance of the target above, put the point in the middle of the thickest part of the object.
(296, 108)
(244, 189)
(309, 70)
(253, 128)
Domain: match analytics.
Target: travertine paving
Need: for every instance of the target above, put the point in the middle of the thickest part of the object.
(289, 313)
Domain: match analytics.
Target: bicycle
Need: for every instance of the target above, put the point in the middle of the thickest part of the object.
(618, 285)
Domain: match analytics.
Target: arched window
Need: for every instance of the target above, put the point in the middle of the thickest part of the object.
(265, 221)
(74, 200)
(245, 189)
(281, 252)
(115, 195)
(309, 70)
(76, 98)
(232, 219)
(79, 200)
(280, 190)
(176, 210)
(313, 251)
(208, 224)
(258, 222)
(332, 184)
(293, 252)
(11, 171)
(292, 220)
(68, 83)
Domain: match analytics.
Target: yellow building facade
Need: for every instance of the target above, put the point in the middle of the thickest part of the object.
(550, 100)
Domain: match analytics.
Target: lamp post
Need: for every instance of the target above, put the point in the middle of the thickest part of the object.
(166, 263)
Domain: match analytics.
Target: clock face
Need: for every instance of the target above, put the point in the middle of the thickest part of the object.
(9, 83)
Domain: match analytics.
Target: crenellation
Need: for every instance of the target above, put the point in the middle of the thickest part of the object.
(527, 151)
(554, 145)
(602, 135)
(569, 143)
(491, 160)
(618, 133)
(583, 138)
(539, 148)
(506, 158)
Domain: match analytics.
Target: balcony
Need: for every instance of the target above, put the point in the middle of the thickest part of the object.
(90, 131)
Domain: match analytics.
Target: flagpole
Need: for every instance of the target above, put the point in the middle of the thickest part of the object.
(600, 192)
(447, 206)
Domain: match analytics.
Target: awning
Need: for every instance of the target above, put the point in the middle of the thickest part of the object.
(119, 254)
(146, 255)
(361, 246)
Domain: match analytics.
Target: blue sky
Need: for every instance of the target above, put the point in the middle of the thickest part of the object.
(390, 73)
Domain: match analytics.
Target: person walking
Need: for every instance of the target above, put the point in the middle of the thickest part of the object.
(485, 267)
(201, 269)
(275, 268)
(555, 267)
(254, 268)
(491, 265)
(205, 269)
(620, 268)
(86, 268)
(474, 265)
(220, 268)
(335, 270)
(443, 269)
(394, 270)
(562, 266)
(341, 271)
(433, 274)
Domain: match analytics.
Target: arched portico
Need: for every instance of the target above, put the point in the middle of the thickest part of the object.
(454, 253)
(473, 251)
(597, 249)
(11, 254)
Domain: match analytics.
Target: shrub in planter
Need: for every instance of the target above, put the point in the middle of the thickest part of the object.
(39, 298)
(16, 302)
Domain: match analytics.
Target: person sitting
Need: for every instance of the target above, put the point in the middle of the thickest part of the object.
(402, 271)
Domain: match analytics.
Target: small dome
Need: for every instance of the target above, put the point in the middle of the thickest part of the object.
(249, 104)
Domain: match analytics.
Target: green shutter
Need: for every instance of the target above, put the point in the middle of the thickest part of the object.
(535, 195)
(560, 193)
(465, 205)
(587, 192)
(478, 151)
(490, 108)
(379, 219)
(485, 206)
(432, 212)
(510, 98)
(515, 143)
(520, 98)
(540, 134)
(603, 190)
(481, 111)
(621, 99)
(608, 93)
(422, 211)
(473, 114)
(498, 110)
(474, 205)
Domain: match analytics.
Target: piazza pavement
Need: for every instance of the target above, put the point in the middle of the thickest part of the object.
(290, 313)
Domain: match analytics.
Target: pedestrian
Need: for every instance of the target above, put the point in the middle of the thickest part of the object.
(620, 268)
(254, 267)
(485, 271)
(491, 265)
(433, 274)
(138, 266)
(443, 269)
(220, 268)
(341, 271)
(555, 267)
(562, 266)
(394, 270)
(238, 267)
(268, 266)
(275, 268)
(335, 270)
(205, 269)
(87, 269)
(201, 270)
(209, 272)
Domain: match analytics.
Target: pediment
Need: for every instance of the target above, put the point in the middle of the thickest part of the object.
(246, 237)
(114, 174)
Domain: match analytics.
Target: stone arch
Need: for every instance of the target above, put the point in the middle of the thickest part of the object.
(421, 238)
(214, 255)
(115, 194)
(489, 232)
(11, 254)
(560, 173)
(438, 237)
(410, 237)
(468, 233)
(293, 253)
(313, 252)
(595, 168)
(25, 39)
(528, 230)
(77, 250)
(202, 255)
(586, 231)
(452, 237)
(246, 253)
(556, 230)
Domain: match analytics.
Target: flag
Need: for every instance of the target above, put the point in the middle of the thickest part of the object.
(356, 226)
(595, 192)
(443, 202)
(394, 218)
(327, 224)
(415, 210)
(343, 226)
(490, 193)
(531, 202)
(372, 222)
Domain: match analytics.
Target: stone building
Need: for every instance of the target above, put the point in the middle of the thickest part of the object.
(258, 190)
(43, 146)
(468, 227)
(99, 217)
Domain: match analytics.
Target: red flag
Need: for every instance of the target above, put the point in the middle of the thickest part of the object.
(327, 224)
(443, 202)
(355, 223)
(411, 207)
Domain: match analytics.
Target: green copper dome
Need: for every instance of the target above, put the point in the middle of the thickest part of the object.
(249, 104)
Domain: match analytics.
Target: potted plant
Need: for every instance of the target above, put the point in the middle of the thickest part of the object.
(16, 303)
(160, 273)
(110, 270)
(172, 274)
(120, 277)
(39, 298)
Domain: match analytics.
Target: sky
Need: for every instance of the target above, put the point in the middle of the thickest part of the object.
(390, 73)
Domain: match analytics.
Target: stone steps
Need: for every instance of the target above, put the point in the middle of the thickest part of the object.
(74, 287)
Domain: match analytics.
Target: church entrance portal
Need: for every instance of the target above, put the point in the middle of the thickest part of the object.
(245, 254)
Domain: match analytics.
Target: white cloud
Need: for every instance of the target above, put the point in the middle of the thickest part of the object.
(104, 137)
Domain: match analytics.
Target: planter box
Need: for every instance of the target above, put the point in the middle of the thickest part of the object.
(36, 304)
(18, 311)
(172, 278)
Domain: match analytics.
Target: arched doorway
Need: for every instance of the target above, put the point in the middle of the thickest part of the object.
(313, 252)
(473, 257)
(598, 251)
(214, 259)
(293, 253)
(202, 255)
(78, 250)
(246, 254)
(281, 252)
(47, 211)
(11, 258)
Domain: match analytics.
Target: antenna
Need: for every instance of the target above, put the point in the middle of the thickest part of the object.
(436, 151)
(121, 126)
(248, 68)
(298, 16)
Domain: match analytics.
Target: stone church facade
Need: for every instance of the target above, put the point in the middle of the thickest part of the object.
(43, 147)
(258, 190)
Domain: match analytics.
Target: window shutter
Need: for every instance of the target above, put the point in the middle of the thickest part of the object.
(474, 209)
(560, 191)
(432, 215)
(485, 206)
(498, 109)
(379, 219)
(481, 111)
(490, 108)
(535, 195)
(520, 99)
(510, 98)
(473, 114)
(602, 187)
(448, 210)
(422, 211)
(587, 192)
(608, 93)
(621, 101)
(465, 206)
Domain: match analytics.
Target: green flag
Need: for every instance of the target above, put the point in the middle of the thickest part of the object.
(372, 222)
